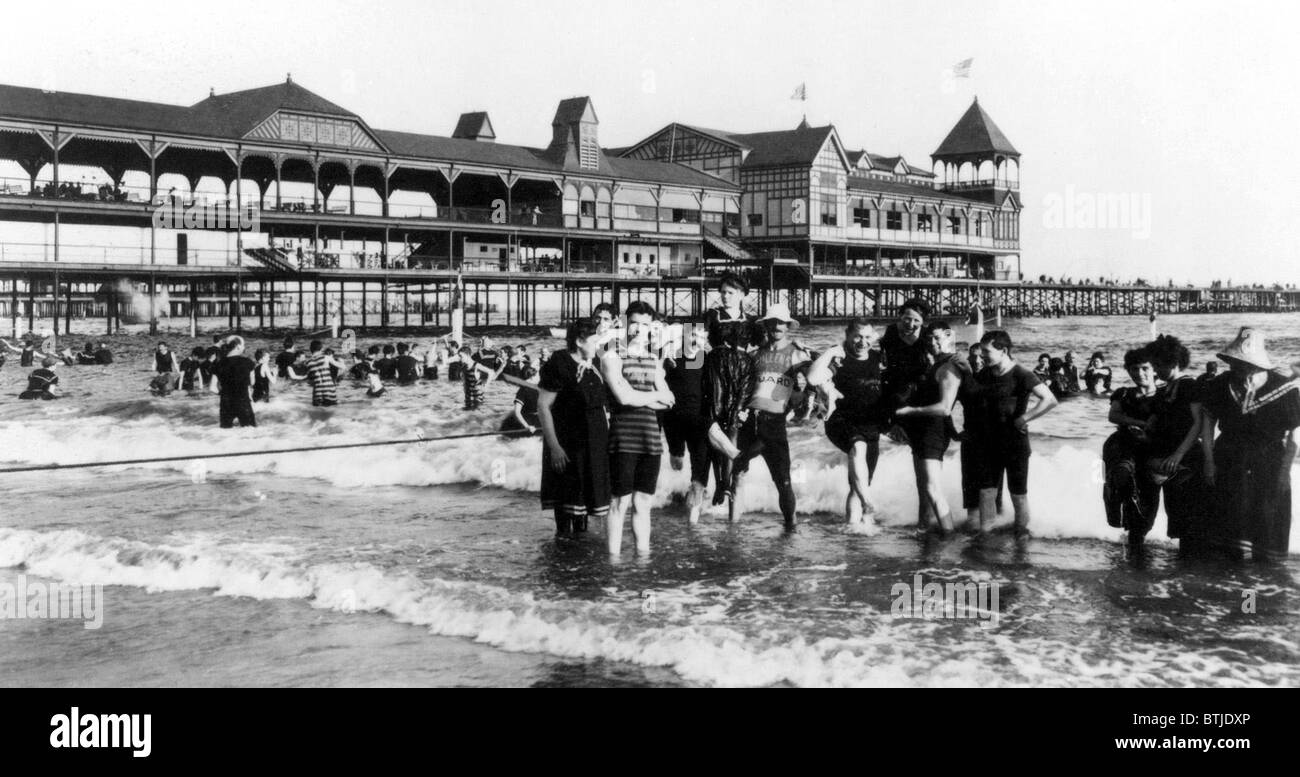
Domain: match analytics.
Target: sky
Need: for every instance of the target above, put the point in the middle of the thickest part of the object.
(1179, 115)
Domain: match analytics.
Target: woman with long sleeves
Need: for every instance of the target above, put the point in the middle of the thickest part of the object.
(728, 372)
(1257, 413)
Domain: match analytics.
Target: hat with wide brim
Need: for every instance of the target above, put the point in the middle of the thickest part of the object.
(1248, 348)
(780, 311)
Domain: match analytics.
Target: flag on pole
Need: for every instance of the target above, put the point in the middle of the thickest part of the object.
(962, 69)
(800, 92)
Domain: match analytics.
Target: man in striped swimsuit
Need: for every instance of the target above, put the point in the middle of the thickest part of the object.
(323, 389)
(639, 390)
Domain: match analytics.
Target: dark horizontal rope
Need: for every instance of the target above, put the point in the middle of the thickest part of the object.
(273, 451)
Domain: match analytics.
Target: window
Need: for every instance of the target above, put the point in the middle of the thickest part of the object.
(625, 255)
(756, 219)
(862, 217)
(638, 258)
(587, 208)
(924, 223)
(482, 249)
(830, 217)
(640, 212)
(979, 226)
(685, 216)
(893, 220)
(954, 224)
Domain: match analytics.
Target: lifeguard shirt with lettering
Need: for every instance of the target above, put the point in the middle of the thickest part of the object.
(774, 371)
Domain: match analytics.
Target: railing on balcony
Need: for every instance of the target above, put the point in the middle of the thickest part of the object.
(75, 253)
(982, 183)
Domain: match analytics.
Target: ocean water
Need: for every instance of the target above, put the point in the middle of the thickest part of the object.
(433, 564)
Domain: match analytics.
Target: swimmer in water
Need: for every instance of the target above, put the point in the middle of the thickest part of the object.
(192, 368)
(324, 392)
(1097, 376)
(1043, 370)
(164, 360)
(523, 415)
(263, 376)
(43, 382)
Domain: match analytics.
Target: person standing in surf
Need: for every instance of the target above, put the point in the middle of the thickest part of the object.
(481, 369)
(263, 376)
(1002, 431)
(638, 392)
(324, 391)
(1178, 449)
(1131, 495)
(853, 370)
(286, 358)
(906, 356)
(571, 408)
(234, 376)
(686, 425)
(763, 430)
(1257, 413)
(927, 419)
(728, 372)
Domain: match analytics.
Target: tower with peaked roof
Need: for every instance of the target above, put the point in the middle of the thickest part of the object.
(574, 143)
(976, 154)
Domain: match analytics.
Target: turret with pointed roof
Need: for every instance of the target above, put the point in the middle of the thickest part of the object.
(974, 141)
(975, 135)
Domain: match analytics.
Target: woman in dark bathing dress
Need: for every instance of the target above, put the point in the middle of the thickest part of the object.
(1257, 412)
(1178, 449)
(728, 371)
(571, 409)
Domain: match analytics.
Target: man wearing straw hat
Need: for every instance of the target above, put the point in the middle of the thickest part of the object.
(763, 432)
(1257, 413)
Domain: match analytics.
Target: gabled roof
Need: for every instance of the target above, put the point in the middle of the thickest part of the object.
(778, 148)
(722, 135)
(573, 110)
(474, 126)
(975, 133)
(232, 116)
(666, 172)
(236, 113)
(523, 158)
(784, 147)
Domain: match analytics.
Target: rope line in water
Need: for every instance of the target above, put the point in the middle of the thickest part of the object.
(273, 451)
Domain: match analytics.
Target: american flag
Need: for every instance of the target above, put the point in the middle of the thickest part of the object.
(800, 92)
(962, 69)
